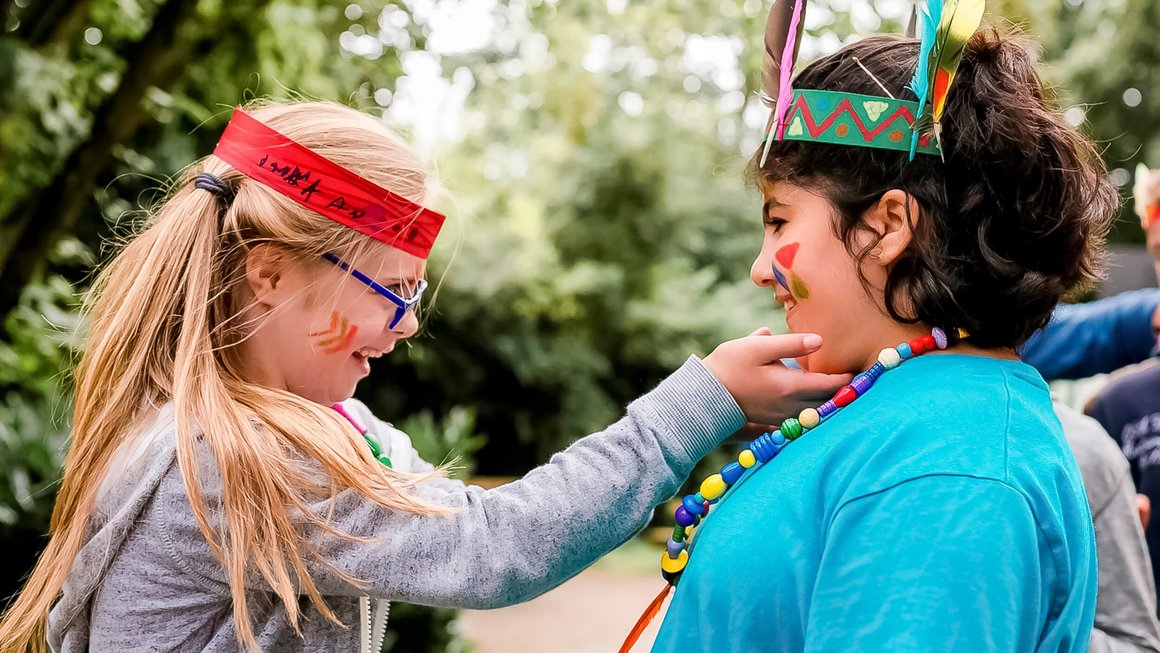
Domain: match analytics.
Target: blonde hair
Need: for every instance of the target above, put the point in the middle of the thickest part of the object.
(163, 326)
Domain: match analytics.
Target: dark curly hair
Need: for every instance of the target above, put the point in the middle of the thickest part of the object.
(1012, 217)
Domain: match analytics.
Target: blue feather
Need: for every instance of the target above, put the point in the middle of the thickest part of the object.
(929, 18)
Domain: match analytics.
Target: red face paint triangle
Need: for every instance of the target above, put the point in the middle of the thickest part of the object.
(785, 255)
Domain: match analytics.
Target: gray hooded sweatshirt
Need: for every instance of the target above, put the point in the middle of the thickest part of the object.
(146, 579)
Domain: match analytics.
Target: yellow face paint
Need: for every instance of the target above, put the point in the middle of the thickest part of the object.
(798, 287)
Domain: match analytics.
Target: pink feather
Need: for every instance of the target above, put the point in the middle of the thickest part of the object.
(785, 89)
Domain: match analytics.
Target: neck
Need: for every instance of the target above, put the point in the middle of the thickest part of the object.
(895, 333)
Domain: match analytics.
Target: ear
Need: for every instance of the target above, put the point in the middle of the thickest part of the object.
(266, 267)
(893, 218)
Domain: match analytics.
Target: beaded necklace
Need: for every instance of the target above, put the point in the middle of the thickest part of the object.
(695, 507)
(376, 450)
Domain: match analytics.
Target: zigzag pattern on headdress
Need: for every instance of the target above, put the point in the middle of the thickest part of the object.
(879, 126)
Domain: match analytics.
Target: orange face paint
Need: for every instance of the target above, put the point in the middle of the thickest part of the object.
(338, 336)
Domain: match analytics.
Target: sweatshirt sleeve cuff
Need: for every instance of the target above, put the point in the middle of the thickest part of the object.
(695, 409)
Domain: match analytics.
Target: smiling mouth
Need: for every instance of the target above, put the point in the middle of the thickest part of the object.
(367, 353)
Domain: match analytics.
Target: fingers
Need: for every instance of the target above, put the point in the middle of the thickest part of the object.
(751, 431)
(763, 331)
(815, 384)
(771, 348)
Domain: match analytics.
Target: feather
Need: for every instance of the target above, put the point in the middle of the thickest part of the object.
(959, 22)
(912, 24)
(645, 619)
(785, 90)
(930, 15)
(783, 30)
(940, 56)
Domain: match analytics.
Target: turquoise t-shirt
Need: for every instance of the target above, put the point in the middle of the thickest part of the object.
(942, 511)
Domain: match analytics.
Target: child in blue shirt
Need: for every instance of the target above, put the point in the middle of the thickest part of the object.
(937, 507)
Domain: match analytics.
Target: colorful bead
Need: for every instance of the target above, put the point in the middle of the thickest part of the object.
(940, 337)
(903, 351)
(731, 472)
(674, 565)
(890, 358)
(764, 448)
(684, 517)
(747, 459)
(712, 487)
(679, 532)
(809, 418)
(916, 347)
(845, 396)
(692, 505)
(674, 547)
(791, 429)
(928, 343)
(861, 383)
(827, 409)
(778, 439)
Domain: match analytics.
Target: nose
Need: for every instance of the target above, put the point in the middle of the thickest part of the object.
(407, 326)
(761, 272)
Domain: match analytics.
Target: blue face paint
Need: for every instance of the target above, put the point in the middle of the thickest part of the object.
(781, 278)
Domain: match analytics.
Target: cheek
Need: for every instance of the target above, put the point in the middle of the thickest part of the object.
(336, 334)
(789, 261)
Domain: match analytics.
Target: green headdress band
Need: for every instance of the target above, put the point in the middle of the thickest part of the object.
(853, 119)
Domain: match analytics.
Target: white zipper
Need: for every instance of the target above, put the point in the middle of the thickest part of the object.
(372, 631)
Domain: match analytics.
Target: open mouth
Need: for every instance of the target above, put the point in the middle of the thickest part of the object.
(363, 357)
(368, 352)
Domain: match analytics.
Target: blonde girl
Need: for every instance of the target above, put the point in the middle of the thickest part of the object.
(213, 500)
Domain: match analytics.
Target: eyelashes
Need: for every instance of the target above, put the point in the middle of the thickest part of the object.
(774, 223)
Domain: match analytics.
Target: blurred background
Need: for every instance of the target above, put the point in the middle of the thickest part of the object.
(599, 229)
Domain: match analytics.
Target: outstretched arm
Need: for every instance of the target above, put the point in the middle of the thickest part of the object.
(1097, 337)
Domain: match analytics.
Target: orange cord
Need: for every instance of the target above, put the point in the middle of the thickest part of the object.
(645, 619)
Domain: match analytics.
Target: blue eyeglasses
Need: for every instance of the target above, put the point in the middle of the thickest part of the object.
(402, 304)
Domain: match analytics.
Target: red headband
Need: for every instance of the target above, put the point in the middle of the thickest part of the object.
(321, 185)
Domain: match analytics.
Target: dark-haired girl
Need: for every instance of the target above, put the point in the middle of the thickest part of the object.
(935, 506)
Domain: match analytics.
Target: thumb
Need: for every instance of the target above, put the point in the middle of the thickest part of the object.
(771, 349)
(763, 331)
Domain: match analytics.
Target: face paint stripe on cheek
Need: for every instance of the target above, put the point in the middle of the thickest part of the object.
(780, 278)
(339, 336)
(798, 287)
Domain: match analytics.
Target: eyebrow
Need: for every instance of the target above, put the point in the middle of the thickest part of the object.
(771, 203)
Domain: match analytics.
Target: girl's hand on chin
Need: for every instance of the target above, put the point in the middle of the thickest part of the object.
(767, 391)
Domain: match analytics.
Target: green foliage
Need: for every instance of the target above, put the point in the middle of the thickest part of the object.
(33, 435)
(419, 629)
(451, 439)
(35, 367)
